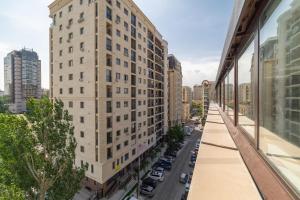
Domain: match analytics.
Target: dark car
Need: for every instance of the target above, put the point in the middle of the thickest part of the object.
(165, 165)
(147, 190)
(165, 161)
(149, 181)
(193, 157)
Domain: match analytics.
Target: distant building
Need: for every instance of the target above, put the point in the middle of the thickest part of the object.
(186, 102)
(197, 92)
(175, 91)
(208, 94)
(1, 93)
(22, 78)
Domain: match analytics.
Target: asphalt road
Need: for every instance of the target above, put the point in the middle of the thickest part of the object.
(170, 188)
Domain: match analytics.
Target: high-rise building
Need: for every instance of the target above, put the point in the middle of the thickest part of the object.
(186, 102)
(22, 78)
(197, 92)
(175, 91)
(108, 64)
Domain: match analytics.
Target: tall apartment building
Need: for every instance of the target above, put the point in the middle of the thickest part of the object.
(22, 78)
(175, 91)
(197, 92)
(108, 63)
(186, 102)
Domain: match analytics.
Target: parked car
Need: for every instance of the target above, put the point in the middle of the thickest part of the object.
(159, 169)
(192, 163)
(158, 176)
(186, 129)
(164, 159)
(165, 165)
(183, 178)
(184, 196)
(170, 158)
(187, 187)
(149, 181)
(193, 157)
(147, 190)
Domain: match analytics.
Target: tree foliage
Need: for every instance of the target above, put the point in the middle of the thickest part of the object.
(3, 104)
(174, 136)
(198, 107)
(38, 150)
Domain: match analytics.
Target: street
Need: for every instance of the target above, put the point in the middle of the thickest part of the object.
(171, 188)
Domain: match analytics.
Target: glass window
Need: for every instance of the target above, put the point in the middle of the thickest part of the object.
(245, 88)
(226, 92)
(279, 130)
(230, 94)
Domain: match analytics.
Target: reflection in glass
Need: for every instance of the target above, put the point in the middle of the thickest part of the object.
(230, 95)
(245, 90)
(226, 92)
(280, 88)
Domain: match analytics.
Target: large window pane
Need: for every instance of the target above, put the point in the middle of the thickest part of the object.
(230, 94)
(226, 93)
(279, 130)
(245, 90)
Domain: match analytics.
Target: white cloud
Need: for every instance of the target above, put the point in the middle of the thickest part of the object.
(197, 70)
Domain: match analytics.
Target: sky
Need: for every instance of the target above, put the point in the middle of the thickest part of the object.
(195, 31)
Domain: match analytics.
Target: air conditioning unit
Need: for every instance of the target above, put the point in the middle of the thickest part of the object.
(82, 49)
(69, 26)
(69, 40)
(80, 79)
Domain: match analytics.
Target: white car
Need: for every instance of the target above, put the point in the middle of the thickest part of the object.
(187, 187)
(158, 176)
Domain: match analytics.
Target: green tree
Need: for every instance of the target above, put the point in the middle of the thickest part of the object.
(3, 105)
(8, 192)
(174, 136)
(198, 106)
(38, 150)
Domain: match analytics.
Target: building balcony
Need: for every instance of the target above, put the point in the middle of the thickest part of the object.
(220, 172)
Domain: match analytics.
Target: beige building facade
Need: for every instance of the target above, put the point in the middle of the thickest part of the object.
(175, 91)
(197, 92)
(108, 63)
(186, 102)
